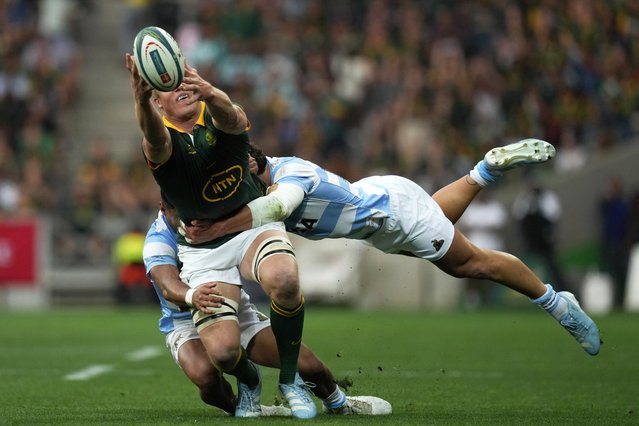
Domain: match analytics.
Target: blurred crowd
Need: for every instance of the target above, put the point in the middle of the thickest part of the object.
(420, 88)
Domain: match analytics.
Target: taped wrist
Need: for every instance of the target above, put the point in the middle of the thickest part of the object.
(188, 297)
(276, 206)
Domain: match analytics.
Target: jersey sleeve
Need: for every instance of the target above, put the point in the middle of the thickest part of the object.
(297, 173)
(160, 246)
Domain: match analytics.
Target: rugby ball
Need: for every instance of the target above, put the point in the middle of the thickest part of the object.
(158, 59)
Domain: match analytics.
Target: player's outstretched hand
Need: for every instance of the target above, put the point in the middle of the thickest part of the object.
(207, 297)
(141, 89)
(192, 82)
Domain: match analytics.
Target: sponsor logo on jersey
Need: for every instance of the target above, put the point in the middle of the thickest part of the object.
(223, 185)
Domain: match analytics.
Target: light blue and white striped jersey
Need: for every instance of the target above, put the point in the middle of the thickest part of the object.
(332, 207)
(160, 248)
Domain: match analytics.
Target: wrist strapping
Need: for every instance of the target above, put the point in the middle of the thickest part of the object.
(276, 206)
(188, 297)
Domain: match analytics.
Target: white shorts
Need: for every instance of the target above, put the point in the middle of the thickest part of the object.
(251, 322)
(416, 224)
(202, 265)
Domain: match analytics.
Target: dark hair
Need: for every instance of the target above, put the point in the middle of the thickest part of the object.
(166, 201)
(259, 156)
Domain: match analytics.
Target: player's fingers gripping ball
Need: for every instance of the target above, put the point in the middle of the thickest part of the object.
(158, 59)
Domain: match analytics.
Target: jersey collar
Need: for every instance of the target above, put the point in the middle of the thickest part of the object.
(200, 120)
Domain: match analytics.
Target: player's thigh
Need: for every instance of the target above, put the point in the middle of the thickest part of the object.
(461, 258)
(222, 341)
(222, 263)
(417, 225)
(429, 233)
(189, 353)
(270, 254)
(227, 311)
(219, 329)
(229, 290)
(251, 320)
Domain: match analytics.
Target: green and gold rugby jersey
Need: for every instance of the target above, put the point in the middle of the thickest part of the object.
(207, 177)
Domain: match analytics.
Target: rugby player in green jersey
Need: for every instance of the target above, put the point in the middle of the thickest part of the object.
(196, 145)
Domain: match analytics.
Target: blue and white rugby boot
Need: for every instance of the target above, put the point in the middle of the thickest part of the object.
(248, 399)
(563, 307)
(579, 324)
(298, 398)
(527, 151)
(503, 158)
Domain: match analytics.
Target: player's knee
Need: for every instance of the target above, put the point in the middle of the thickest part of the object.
(225, 355)
(225, 352)
(281, 283)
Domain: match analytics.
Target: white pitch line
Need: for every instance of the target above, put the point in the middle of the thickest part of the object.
(144, 353)
(89, 372)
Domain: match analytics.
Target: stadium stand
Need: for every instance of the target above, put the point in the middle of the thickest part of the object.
(415, 88)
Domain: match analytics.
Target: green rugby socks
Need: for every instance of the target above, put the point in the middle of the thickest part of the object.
(287, 327)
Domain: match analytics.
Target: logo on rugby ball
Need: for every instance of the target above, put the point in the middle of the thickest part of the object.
(159, 66)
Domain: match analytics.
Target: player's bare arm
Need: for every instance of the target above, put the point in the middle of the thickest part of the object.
(280, 202)
(227, 116)
(203, 297)
(201, 231)
(157, 142)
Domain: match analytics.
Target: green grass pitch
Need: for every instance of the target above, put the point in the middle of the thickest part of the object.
(486, 368)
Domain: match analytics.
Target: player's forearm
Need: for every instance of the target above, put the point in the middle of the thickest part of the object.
(156, 145)
(202, 231)
(203, 297)
(150, 122)
(241, 221)
(228, 117)
(167, 278)
(277, 205)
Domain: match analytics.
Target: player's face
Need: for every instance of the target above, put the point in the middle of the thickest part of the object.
(177, 104)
